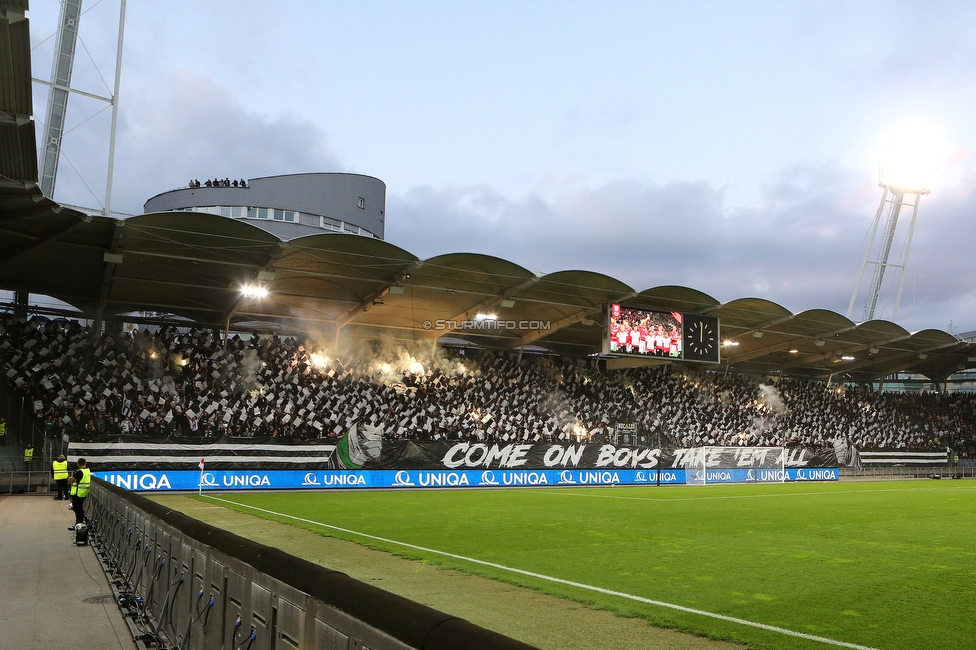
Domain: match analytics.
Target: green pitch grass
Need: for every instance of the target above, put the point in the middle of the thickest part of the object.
(882, 565)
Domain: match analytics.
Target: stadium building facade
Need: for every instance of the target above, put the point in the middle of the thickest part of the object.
(290, 205)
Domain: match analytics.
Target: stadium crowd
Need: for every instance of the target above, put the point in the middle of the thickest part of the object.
(194, 183)
(172, 382)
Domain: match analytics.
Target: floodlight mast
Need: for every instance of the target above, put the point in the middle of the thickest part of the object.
(896, 194)
(57, 106)
(57, 99)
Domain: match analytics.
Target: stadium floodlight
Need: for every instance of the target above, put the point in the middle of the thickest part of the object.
(910, 161)
(254, 291)
(847, 357)
(481, 317)
(729, 343)
(794, 351)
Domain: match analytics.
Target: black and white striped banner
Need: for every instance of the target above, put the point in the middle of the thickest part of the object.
(916, 458)
(216, 455)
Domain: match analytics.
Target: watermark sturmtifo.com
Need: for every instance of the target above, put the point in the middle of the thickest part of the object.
(487, 324)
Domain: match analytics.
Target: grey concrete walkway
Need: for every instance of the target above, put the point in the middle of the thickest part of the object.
(45, 581)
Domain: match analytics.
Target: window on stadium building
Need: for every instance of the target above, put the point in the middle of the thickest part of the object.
(274, 214)
(234, 211)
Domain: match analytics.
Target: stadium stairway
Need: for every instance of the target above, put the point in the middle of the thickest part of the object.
(55, 594)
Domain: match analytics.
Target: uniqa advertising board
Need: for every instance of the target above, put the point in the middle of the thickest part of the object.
(224, 480)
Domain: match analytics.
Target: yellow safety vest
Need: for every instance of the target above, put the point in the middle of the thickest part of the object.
(60, 468)
(3, 428)
(84, 483)
(28, 455)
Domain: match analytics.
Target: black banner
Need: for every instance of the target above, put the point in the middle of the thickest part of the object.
(363, 451)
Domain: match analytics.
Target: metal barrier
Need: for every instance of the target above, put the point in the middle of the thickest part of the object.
(23, 482)
(186, 585)
(963, 470)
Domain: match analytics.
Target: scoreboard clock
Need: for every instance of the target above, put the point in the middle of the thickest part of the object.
(701, 338)
(672, 335)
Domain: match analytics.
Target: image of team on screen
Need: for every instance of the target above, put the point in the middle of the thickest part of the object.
(635, 331)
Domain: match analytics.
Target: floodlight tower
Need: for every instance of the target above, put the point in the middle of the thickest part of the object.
(57, 106)
(904, 177)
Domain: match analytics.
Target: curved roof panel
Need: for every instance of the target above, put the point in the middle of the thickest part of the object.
(576, 289)
(186, 263)
(674, 298)
(751, 313)
(442, 291)
(322, 281)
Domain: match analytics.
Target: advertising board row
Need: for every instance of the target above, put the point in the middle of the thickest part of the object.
(224, 480)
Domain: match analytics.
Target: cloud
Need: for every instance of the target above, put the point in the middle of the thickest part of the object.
(187, 125)
(801, 245)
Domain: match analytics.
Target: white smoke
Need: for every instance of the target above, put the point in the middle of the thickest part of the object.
(770, 396)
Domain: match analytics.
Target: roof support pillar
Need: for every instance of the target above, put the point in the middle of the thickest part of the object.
(266, 272)
(99, 316)
(112, 258)
(21, 301)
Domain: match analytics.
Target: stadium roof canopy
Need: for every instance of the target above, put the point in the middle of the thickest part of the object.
(194, 265)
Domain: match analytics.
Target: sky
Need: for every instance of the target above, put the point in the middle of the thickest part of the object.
(732, 147)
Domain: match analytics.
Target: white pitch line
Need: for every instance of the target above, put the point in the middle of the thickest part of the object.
(579, 585)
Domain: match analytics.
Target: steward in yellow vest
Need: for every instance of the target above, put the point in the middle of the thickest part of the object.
(28, 455)
(59, 471)
(80, 483)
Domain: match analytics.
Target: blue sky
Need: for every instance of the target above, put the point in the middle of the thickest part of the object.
(731, 147)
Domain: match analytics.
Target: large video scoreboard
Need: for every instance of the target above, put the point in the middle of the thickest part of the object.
(670, 334)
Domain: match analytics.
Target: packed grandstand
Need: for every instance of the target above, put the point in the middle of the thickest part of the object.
(185, 383)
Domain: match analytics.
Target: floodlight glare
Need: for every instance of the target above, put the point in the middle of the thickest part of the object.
(481, 317)
(254, 291)
(910, 160)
